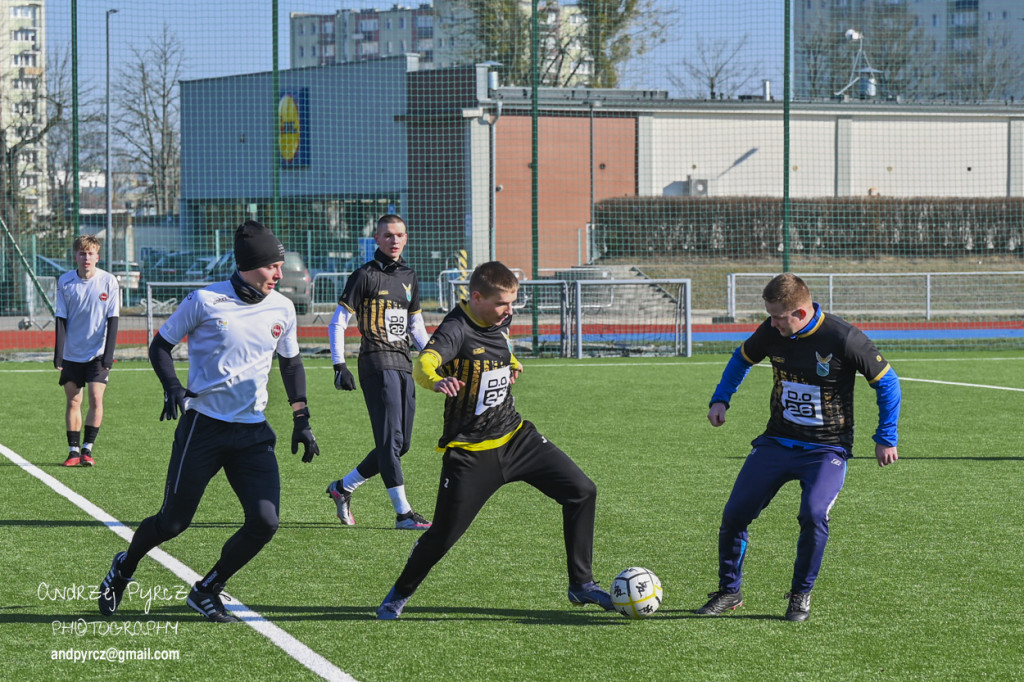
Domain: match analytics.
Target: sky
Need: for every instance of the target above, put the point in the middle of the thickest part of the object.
(227, 37)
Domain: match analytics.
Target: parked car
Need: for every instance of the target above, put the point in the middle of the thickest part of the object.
(171, 267)
(200, 269)
(295, 282)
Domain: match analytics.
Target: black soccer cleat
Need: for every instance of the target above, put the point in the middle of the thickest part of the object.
(721, 602)
(411, 521)
(799, 606)
(208, 604)
(112, 587)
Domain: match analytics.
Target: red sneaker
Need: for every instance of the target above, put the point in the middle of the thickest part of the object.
(73, 460)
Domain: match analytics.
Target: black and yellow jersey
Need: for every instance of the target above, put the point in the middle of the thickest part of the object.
(483, 415)
(812, 394)
(383, 295)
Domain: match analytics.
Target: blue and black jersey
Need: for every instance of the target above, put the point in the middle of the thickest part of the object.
(814, 373)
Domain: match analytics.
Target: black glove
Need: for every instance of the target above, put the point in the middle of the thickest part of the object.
(301, 433)
(343, 380)
(174, 402)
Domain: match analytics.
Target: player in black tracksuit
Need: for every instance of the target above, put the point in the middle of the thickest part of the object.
(486, 443)
(384, 298)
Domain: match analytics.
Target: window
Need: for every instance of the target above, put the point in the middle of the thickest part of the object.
(302, 52)
(329, 27)
(302, 29)
(402, 46)
(387, 24)
(23, 12)
(390, 48)
(312, 51)
(935, 20)
(401, 22)
(425, 21)
(368, 25)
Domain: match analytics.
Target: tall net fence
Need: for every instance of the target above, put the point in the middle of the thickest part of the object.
(858, 142)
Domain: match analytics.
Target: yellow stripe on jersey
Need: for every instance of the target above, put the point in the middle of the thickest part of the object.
(881, 374)
(484, 444)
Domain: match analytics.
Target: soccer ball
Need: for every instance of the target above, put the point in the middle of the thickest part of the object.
(636, 593)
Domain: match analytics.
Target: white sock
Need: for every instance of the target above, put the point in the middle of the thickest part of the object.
(352, 481)
(87, 446)
(397, 495)
(73, 449)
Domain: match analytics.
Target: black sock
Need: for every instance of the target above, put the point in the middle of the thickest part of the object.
(73, 440)
(212, 582)
(90, 434)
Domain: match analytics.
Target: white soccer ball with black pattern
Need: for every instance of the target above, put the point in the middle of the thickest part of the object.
(636, 592)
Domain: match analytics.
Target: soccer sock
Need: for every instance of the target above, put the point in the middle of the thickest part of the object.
(352, 480)
(397, 495)
(73, 441)
(90, 436)
(212, 580)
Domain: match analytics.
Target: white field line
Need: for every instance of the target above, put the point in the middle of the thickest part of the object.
(286, 642)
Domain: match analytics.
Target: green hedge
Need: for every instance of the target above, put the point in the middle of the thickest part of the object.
(750, 227)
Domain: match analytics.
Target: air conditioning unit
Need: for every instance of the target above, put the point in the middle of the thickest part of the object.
(698, 187)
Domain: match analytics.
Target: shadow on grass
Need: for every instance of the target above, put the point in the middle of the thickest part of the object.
(232, 525)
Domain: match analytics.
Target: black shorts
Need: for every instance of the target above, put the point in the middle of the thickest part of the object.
(82, 373)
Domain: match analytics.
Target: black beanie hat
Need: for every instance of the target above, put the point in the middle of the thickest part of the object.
(256, 246)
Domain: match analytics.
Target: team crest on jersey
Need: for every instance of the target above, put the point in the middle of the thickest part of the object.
(823, 367)
(103, 296)
(478, 351)
(277, 330)
(408, 291)
(222, 325)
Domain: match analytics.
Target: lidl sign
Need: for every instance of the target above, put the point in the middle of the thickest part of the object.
(293, 128)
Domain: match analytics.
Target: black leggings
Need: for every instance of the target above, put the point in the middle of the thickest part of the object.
(202, 447)
(470, 478)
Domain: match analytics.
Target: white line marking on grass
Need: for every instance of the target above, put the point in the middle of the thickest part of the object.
(286, 642)
(957, 383)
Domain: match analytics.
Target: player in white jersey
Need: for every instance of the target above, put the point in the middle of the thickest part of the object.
(234, 328)
(88, 305)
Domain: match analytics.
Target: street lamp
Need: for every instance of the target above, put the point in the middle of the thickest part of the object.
(107, 248)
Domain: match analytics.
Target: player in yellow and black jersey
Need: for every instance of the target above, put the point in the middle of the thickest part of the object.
(383, 296)
(486, 442)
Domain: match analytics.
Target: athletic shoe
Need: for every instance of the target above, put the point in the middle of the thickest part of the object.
(720, 602)
(209, 604)
(343, 500)
(799, 606)
(87, 459)
(590, 593)
(391, 607)
(74, 459)
(411, 521)
(112, 587)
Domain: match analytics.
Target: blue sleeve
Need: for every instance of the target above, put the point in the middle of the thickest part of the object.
(735, 372)
(889, 396)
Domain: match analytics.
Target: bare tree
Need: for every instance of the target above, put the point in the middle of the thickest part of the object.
(586, 44)
(27, 114)
(989, 69)
(59, 143)
(148, 114)
(716, 69)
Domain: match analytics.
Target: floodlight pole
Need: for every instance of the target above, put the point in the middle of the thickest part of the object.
(108, 242)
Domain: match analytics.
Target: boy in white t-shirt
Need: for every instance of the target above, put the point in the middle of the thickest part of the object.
(88, 305)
